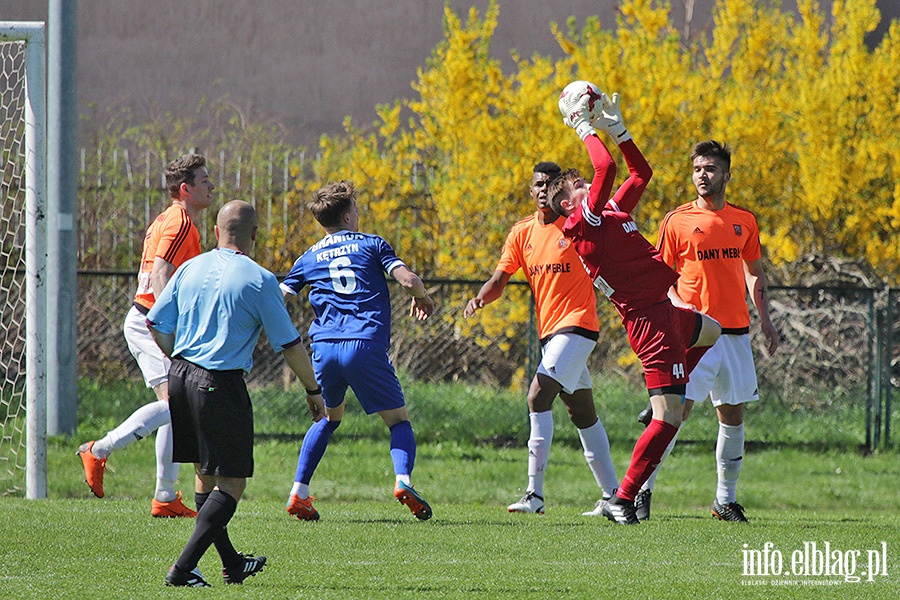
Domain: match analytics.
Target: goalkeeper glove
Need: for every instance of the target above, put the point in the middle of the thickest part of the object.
(575, 112)
(610, 119)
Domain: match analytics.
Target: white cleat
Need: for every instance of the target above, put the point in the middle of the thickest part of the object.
(598, 509)
(530, 503)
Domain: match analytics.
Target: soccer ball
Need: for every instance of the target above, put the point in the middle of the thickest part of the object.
(573, 92)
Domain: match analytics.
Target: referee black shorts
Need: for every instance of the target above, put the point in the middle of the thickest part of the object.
(212, 419)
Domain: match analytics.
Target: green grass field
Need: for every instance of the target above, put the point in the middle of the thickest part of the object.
(366, 545)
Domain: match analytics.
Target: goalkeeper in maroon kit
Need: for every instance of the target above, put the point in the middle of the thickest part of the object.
(630, 272)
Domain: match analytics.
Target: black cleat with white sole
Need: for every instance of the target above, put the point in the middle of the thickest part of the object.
(620, 511)
(728, 512)
(249, 566)
(642, 505)
(178, 578)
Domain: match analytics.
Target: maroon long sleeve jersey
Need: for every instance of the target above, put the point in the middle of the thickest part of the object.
(621, 262)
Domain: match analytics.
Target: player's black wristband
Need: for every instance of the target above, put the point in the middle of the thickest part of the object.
(314, 392)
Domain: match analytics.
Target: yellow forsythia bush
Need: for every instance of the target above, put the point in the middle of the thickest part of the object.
(812, 115)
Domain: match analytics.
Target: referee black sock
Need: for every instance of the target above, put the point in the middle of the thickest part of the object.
(222, 543)
(200, 499)
(216, 512)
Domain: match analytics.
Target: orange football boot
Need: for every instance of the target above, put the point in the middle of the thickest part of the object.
(93, 468)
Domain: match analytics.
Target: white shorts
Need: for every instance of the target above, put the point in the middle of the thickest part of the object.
(564, 359)
(725, 374)
(153, 363)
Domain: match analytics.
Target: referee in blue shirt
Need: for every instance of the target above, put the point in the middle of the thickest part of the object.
(208, 320)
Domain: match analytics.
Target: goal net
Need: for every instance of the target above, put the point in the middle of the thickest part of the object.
(23, 422)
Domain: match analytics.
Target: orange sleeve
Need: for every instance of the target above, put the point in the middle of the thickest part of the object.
(179, 240)
(511, 259)
(752, 249)
(665, 242)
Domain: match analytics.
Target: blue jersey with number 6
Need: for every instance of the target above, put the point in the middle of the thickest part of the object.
(348, 288)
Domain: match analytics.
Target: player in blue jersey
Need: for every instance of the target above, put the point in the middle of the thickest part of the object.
(348, 291)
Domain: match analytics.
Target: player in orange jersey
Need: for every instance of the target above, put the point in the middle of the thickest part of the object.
(171, 239)
(714, 246)
(568, 330)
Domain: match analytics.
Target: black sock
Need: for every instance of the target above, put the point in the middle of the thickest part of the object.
(227, 553)
(200, 499)
(216, 511)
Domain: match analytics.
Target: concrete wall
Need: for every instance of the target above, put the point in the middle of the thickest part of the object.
(305, 63)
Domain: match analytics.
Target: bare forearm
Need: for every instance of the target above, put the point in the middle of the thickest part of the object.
(415, 287)
(160, 275)
(298, 361)
(676, 300)
(759, 293)
(410, 282)
(165, 341)
(490, 291)
(422, 304)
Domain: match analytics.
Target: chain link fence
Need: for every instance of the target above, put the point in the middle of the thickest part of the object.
(839, 348)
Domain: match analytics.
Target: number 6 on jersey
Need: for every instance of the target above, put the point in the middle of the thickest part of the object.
(343, 278)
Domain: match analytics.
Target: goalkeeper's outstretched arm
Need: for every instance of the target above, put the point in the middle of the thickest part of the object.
(604, 174)
(639, 171)
(639, 174)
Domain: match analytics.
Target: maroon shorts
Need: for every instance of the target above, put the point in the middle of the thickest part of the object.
(659, 335)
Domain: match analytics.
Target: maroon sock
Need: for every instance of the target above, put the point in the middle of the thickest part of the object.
(647, 452)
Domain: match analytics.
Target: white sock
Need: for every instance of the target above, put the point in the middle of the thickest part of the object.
(596, 452)
(139, 425)
(301, 490)
(729, 457)
(539, 449)
(404, 479)
(166, 470)
(651, 481)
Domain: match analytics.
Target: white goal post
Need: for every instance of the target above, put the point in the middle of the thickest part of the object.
(23, 93)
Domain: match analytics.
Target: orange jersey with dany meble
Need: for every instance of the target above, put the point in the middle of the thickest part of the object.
(563, 293)
(708, 249)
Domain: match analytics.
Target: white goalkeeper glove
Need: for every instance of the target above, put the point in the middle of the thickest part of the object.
(575, 114)
(610, 119)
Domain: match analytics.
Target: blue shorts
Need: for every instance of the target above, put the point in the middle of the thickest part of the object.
(363, 366)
